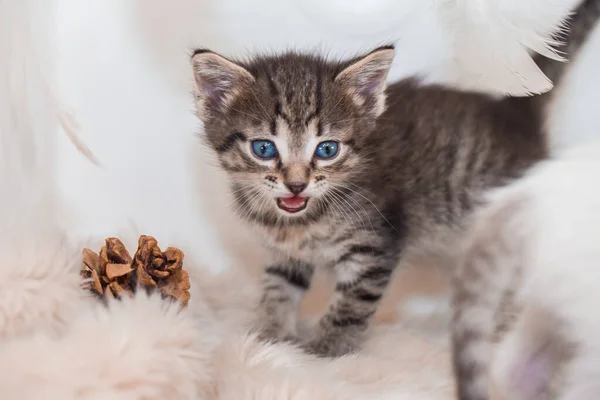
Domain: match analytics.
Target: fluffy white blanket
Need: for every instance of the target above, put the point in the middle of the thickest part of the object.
(59, 343)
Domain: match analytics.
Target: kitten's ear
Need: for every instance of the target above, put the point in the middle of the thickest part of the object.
(217, 82)
(365, 80)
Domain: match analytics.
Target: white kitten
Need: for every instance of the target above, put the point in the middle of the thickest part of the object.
(530, 273)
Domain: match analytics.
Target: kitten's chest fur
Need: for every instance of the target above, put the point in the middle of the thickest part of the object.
(320, 243)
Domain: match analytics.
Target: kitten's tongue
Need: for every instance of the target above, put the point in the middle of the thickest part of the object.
(293, 202)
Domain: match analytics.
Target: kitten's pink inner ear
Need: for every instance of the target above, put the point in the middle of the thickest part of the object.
(365, 80)
(217, 82)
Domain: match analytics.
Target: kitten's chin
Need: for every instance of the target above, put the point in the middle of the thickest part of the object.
(292, 205)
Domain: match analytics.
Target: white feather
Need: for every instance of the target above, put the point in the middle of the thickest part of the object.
(492, 40)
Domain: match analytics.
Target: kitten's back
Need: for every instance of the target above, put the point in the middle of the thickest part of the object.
(436, 148)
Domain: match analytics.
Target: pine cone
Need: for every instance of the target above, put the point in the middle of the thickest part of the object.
(114, 273)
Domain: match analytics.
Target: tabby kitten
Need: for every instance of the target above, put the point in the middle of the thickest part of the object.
(336, 179)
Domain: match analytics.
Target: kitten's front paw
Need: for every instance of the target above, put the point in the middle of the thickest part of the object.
(275, 335)
(333, 344)
(269, 331)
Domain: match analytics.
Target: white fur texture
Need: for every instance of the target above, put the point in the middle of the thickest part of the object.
(492, 41)
(144, 349)
(35, 292)
(558, 202)
(27, 123)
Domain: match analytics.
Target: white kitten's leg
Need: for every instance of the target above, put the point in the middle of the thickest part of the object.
(530, 360)
(486, 276)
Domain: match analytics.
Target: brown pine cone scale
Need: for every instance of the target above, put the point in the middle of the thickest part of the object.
(114, 273)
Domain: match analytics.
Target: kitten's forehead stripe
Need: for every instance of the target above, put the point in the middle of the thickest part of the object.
(290, 96)
(230, 141)
(272, 87)
(273, 126)
(319, 91)
(296, 89)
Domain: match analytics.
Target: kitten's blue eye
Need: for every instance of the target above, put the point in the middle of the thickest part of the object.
(327, 150)
(264, 149)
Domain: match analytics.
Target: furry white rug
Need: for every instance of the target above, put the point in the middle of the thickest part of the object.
(59, 343)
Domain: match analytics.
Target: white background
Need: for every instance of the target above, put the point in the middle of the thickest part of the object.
(124, 73)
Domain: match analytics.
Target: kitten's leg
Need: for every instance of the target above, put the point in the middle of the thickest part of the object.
(284, 286)
(532, 361)
(474, 304)
(488, 271)
(363, 274)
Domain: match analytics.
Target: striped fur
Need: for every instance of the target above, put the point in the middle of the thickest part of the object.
(406, 176)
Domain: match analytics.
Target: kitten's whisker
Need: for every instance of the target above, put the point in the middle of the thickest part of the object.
(341, 185)
(238, 189)
(242, 202)
(342, 194)
(236, 197)
(251, 205)
(358, 187)
(319, 205)
(334, 209)
(246, 199)
(343, 201)
(258, 199)
(373, 204)
(338, 206)
(323, 208)
(264, 201)
(358, 215)
(341, 215)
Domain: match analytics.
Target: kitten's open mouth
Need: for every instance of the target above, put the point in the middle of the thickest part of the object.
(292, 204)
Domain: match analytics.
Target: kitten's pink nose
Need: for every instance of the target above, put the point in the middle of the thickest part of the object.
(296, 187)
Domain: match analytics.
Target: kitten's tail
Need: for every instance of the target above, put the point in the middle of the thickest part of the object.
(571, 39)
(577, 30)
